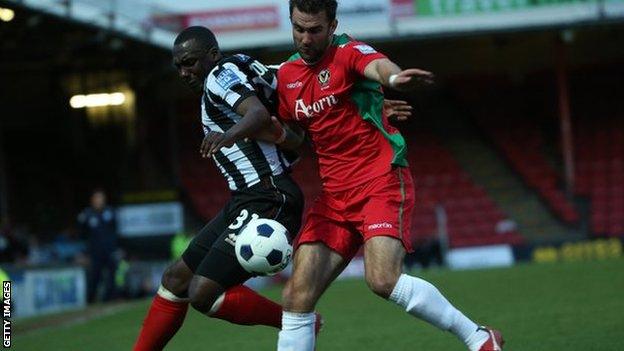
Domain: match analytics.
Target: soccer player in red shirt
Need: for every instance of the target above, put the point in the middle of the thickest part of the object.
(332, 89)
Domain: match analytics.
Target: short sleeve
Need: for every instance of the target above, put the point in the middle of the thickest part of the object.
(282, 109)
(228, 84)
(359, 55)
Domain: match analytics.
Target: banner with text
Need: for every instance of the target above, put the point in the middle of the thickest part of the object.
(150, 219)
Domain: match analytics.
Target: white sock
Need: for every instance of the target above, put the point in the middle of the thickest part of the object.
(423, 300)
(168, 295)
(297, 332)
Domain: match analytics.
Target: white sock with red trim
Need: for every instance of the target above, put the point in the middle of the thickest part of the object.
(423, 300)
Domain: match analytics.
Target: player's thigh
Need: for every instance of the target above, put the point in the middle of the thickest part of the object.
(291, 202)
(385, 208)
(205, 239)
(221, 266)
(315, 266)
(278, 198)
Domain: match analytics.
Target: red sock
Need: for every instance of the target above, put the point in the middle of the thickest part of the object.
(162, 322)
(244, 306)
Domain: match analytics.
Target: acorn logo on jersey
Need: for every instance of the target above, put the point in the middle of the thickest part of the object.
(304, 111)
(323, 78)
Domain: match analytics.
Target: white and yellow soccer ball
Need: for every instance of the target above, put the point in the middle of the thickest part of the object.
(263, 247)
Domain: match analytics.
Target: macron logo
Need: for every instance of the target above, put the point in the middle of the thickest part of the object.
(384, 225)
(295, 85)
(308, 111)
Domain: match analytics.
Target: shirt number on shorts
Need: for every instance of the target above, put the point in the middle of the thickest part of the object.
(241, 219)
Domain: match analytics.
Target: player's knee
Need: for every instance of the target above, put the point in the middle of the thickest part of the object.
(176, 280)
(381, 284)
(201, 300)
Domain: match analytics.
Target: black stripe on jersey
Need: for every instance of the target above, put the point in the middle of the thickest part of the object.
(244, 93)
(250, 149)
(219, 117)
(263, 168)
(231, 169)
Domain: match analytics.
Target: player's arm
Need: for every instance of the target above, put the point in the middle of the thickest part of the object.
(256, 117)
(390, 75)
(287, 135)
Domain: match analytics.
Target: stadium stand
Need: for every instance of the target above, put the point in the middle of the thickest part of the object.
(472, 216)
(600, 172)
(522, 146)
(519, 137)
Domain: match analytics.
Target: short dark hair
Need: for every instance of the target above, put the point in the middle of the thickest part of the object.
(204, 36)
(315, 6)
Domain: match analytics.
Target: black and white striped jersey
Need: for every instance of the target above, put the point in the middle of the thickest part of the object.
(232, 80)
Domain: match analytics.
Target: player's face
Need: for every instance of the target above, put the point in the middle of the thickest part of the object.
(193, 63)
(312, 34)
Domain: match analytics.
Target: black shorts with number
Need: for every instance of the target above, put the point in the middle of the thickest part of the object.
(211, 253)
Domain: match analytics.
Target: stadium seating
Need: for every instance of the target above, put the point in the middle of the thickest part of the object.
(600, 172)
(521, 144)
(472, 217)
(507, 116)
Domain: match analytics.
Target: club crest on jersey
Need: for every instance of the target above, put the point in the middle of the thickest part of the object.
(323, 78)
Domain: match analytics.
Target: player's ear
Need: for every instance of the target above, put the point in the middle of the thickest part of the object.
(214, 53)
(332, 26)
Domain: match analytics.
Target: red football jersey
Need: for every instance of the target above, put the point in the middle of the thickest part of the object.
(342, 112)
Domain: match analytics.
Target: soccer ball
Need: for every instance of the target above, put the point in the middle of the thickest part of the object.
(262, 247)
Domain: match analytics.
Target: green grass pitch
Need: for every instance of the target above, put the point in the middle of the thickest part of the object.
(551, 307)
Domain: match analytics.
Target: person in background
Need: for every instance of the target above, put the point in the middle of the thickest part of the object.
(97, 224)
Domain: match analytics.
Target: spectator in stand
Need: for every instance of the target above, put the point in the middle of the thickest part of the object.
(97, 223)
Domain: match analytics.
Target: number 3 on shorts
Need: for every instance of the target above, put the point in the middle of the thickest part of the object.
(241, 219)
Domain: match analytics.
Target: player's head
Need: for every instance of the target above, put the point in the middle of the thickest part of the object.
(195, 53)
(313, 26)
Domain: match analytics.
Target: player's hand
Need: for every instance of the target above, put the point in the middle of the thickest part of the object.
(213, 142)
(397, 110)
(412, 78)
(278, 131)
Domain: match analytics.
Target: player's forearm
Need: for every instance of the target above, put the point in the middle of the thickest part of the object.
(292, 139)
(252, 123)
(381, 70)
(282, 135)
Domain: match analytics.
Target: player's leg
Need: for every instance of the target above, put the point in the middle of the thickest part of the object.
(325, 247)
(216, 290)
(383, 257)
(315, 267)
(168, 309)
(278, 198)
(385, 230)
